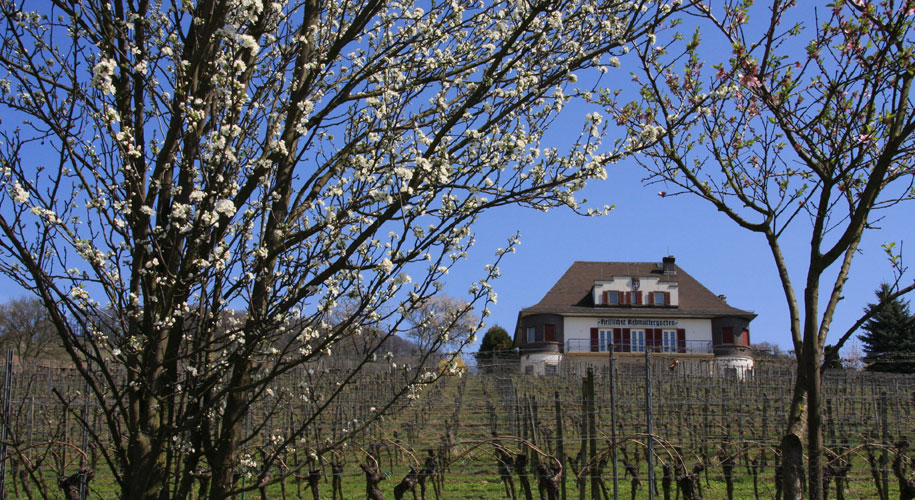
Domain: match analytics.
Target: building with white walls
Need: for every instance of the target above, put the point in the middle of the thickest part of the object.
(631, 307)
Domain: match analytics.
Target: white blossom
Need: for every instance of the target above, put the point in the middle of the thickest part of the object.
(225, 207)
(321, 172)
(248, 42)
(20, 195)
(102, 74)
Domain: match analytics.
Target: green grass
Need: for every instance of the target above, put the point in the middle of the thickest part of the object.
(480, 481)
(482, 484)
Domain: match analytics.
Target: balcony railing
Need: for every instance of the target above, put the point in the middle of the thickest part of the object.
(677, 347)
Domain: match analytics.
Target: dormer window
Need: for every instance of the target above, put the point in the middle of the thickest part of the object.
(631, 291)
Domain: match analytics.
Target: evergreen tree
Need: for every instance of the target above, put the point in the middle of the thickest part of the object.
(889, 338)
(495, 346)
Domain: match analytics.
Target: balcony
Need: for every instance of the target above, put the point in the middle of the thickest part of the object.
(679, 347)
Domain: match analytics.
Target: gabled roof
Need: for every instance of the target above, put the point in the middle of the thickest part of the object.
(572, 293)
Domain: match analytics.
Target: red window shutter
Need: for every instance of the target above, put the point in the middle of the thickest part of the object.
(666, 298)
(651, 298)
(658, 340)
(606, 298)
(745, 337)
(638, 297)
(617, 340)
(727, 335)
(681, 340)
(628, 298)
(549, 333)
(626, 343)
(594, 340)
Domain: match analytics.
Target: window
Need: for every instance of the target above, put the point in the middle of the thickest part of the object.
(613, 298)
(637, 341)
(529, 370)
(659, 299)
(605, 340)
(549, 333)
(549, 369)
(531, 334)
(669, 341)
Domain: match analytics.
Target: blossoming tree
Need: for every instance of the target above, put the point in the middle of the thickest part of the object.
(806, 131)
(165, 162)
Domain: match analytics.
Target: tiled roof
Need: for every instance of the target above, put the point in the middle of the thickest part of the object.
(572, 293)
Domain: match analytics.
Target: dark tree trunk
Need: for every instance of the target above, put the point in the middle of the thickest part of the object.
(792, 467)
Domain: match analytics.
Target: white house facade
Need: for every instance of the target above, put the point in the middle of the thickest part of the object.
(628, 308)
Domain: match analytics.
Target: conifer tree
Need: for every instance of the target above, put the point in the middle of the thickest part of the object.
(889, 338)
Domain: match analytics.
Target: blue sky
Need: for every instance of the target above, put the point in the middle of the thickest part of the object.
(645, 227)
(728, 260)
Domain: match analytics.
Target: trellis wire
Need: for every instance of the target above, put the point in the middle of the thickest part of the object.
(691, 412)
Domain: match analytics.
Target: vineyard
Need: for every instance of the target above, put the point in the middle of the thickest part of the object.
(502, 435)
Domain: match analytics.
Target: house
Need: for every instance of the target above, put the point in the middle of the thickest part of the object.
(628, 307)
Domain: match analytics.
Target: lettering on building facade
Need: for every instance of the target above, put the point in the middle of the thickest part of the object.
(636, 322)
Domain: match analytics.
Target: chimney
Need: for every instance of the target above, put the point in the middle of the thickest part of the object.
(723, 298)
(668, 264)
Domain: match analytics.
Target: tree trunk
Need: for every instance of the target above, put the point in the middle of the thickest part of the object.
(814, 422)
(145, 473)
(792, 467)
(223, 464)
(791, 446)
(146, 477)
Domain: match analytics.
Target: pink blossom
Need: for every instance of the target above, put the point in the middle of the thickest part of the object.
(750, 81)
(865, 138)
